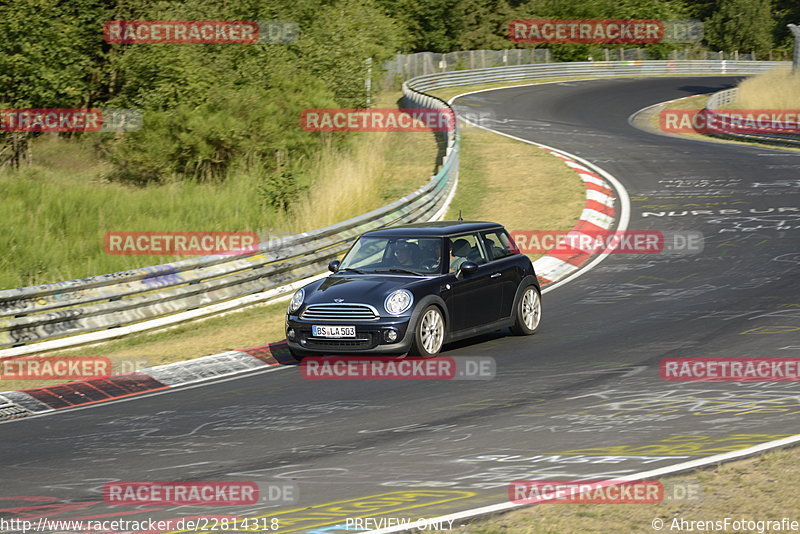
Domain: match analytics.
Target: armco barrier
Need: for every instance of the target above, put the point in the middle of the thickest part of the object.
(51, 316)
(591, 69)
(714, 107)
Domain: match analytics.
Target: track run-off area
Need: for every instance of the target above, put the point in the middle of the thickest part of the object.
(581, 398)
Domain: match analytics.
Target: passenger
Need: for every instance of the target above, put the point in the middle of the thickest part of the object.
(458, 253)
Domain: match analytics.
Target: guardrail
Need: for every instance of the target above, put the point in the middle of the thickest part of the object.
(591, 69)
(772, 130)
(64, 314)
(37, 318)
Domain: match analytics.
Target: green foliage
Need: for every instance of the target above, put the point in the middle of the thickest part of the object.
(234, 127)
(787, 12)
(484, 24)
(430, 25)
(212, 109)
(336, 45)
(743, 25)
(280, 189)
(208, 109)
(50, 53)
(602, 9)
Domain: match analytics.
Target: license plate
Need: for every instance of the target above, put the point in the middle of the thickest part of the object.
(333, 331)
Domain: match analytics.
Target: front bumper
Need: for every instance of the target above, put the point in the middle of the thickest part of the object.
(370, 337)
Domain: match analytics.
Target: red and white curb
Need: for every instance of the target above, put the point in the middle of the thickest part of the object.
(597, 218)
(606, 204)
(598, 215)
(36, 401)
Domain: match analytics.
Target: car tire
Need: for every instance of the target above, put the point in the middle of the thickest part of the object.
(528, 313)
(429, 333)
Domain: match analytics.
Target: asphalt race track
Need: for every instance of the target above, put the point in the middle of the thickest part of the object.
(581, 397)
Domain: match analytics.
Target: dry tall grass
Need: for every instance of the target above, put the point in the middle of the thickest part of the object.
(56, 212)
(343, 187)
(775, 89)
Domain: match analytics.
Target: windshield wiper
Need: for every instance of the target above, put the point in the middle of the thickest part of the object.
(351, 270)
(395, 270)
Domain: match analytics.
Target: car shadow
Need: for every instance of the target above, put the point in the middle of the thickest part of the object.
(705, 89)
(284, 357)
(477, 340)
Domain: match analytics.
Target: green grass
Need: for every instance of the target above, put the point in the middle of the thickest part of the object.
(55, 219)
(57, 210)
(496, 180)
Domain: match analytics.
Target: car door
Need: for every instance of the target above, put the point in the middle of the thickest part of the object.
(505, 267)
(476, 299)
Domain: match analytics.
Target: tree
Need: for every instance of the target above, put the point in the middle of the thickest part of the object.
(51, 56)
(741, 25)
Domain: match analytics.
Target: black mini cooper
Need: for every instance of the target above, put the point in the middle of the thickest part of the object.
(412, 288)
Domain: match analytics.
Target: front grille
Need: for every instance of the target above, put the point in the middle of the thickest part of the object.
(333, 343)
(339, 312)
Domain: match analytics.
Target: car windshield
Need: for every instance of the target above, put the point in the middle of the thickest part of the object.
(400, 255)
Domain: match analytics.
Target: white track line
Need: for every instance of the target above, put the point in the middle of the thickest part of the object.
(684, 466)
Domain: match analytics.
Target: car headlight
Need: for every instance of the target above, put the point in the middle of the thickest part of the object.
(297, 300)
(398, 301)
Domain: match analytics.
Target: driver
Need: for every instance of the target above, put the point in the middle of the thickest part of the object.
(403, 255)
(433, 254)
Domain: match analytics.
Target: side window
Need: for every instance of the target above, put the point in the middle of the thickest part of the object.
(498, 244)
(465, 248)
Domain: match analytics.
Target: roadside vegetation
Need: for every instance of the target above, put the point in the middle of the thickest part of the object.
(221, 148)
(514, 183)
(500, 179)
(57, 210)
(775, 89)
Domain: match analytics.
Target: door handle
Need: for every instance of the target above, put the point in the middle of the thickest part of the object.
(495, 275)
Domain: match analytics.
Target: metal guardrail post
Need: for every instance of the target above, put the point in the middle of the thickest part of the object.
(796, 55)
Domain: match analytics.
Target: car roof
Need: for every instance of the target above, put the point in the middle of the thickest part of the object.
(435, 229)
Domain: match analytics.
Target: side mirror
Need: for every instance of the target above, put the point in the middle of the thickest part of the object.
(467, 268)
(333, 266)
